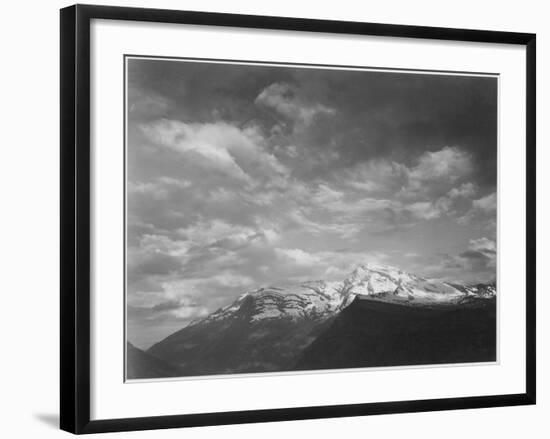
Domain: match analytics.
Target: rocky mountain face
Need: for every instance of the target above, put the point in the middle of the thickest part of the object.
(278, 329)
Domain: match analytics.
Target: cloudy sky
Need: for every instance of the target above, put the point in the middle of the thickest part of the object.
(247, 175)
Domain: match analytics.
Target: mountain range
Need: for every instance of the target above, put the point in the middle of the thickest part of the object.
(377, 316)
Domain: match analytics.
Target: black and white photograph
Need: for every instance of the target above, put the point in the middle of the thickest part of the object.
(299, 218)
(275, 219)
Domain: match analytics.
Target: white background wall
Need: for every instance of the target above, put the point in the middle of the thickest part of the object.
(29, 203)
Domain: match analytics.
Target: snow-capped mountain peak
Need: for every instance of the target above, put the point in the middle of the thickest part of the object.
(312, 300)
(395, 285)
(381, 277)
(318, 300)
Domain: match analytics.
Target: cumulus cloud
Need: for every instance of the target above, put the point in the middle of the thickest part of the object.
(465, 190)
(451, 204)
(377, 190)
(238, 153)
(170, 305)
(480, 256)
(487, 203)
(147, 104)
(483, 211)
(345, 228)
(376, 176)
(433, 173)
(437, 171)
(425, 210)
(297, 256)
(206, 233)
(158, 189)
(482, 248)
(476, 263)
(449, 163)
(285, 99)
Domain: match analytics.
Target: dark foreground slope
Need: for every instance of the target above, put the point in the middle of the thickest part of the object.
(371, 333)
(141, 365)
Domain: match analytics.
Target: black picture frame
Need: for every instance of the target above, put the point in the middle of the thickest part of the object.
(75, 217)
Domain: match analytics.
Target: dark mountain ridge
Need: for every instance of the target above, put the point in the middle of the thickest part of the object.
(372, 333)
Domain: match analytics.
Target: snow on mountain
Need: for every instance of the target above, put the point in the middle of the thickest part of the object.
(313, 300)
(318, 300)
(392, 284)
(485, 291)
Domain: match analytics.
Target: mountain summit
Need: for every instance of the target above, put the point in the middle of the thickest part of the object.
(391, 284)
(320, 299)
